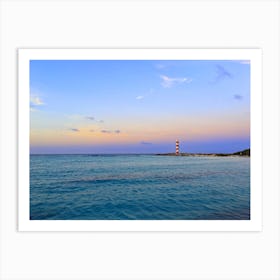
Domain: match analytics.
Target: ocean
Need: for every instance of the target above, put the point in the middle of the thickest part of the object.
(139, 187)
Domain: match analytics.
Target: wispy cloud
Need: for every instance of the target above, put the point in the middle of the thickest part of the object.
(35, 101)
(90, 118)
(168, 82)
(238, 97)
(147, 94)
(80, 117)
(105, 131)
(117, 131)
(74, 129)
(146, 143)
(221, 74)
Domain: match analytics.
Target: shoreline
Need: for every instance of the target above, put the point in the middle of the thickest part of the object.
(201, 155)
(244, 153)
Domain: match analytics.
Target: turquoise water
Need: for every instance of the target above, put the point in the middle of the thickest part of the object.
(141, 187)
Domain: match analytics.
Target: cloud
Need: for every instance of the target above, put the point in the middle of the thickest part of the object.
(105, 131)
(92, 130)
(148, 93)
(238, 97)
(35, 101)
(168, 82)
(221, 74)
(146, 143)
(90, 118)
(74, 129)
(117, 131)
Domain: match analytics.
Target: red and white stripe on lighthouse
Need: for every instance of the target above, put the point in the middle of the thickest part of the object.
(177, 147)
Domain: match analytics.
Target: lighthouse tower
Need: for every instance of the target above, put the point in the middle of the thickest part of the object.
(177, 147)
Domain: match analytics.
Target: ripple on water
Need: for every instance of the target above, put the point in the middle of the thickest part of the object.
(139, 187)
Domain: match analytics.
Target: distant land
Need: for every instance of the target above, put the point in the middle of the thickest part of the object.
(245, 153)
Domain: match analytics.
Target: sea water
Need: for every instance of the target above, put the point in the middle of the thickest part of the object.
(139, 187)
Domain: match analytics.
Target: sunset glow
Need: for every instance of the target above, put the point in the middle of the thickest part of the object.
(138, 106)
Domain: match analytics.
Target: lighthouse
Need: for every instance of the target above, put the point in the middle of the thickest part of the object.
(177, 147)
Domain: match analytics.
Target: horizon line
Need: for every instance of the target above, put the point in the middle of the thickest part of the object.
(194, 153)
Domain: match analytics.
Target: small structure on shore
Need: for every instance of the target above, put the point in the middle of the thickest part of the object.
(177, 148)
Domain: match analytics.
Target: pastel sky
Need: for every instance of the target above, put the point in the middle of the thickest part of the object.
(139, 106)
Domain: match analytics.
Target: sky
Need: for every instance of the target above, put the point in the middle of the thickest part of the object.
(139, 106)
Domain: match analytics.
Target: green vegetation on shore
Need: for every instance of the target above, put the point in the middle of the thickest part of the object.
(245, 153)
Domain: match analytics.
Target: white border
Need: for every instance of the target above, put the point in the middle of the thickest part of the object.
(254, 55)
